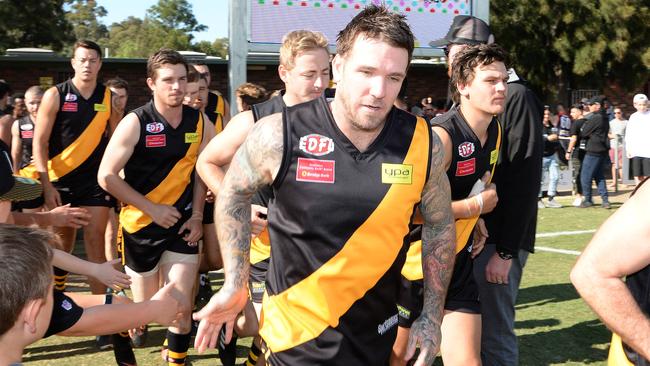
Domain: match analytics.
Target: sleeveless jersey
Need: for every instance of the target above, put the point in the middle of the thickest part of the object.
(339, 223)
(79, 135)
(26, 134)
(162, 169)
(215, 109)
(260, 246)
(469, 162)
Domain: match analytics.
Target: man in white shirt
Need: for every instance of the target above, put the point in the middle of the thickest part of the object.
(637, 132)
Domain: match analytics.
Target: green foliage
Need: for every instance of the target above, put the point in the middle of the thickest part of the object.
(137, 38)
(84, 16)
(560, 44)
(217, 48)
(175, 14)
(18, 27)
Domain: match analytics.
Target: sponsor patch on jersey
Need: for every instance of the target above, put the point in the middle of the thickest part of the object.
(155, 140)
(466, 167)
(65, 304)
(26, 134)
(100, 107)
(70, 97)
(191, 137)
(494, 156)
(466, 149)
(27, 127)
(315, 144)
(396, 173)
(69, 107)
(316, 171)
(155, 127)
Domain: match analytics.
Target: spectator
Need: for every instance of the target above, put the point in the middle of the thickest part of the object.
(249, 94)
(616, 134)
(550, 160)
(564, 127)
(6, 118)
(595, 132)
(636, 145)
(576, 151)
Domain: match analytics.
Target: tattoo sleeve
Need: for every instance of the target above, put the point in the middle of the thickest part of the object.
(254, 165)
(438, 236)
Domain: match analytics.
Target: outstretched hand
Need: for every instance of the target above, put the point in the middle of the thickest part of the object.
(222, 309)
(425, 334)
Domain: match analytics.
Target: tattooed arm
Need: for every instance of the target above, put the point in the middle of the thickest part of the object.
(255, 164)
(438, 243)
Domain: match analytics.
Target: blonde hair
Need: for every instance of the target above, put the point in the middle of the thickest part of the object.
(298, 41)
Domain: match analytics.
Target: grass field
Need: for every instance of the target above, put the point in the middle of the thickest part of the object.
(553, 324)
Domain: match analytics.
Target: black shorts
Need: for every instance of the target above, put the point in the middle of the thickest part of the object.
(65, 314)
(29, 204)
(142, 250)
(257, 280)
(208, 213)
(90, 195)
(462, 294)
(409, 301)
(640, 167)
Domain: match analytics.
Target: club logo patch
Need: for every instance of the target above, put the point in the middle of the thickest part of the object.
(466, 167)
(27, 127)
(69, 107)
(466, 149)
(315, 171)
(70, 97)
(396, 173)
(155, 140)
(155, 127)
(315, 144)
(65, 304)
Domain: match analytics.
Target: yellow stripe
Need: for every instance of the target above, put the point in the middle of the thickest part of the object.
(412, 269)
(305, 310)
(220, 110)
(80, 149)
(169, 190)
(260, 247)
(176, 355)
(617, 355)
(29, 172)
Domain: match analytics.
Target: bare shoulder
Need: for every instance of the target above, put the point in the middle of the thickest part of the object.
(264, 144)
(445, 139)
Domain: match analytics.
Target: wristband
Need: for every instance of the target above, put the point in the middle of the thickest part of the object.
(503, 255)
(479, 199)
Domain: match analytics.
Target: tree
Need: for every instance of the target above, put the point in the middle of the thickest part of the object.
(135, 37)
(83, 16)
(217, 48)
(560, 44)
(19, 28)
(175, 14)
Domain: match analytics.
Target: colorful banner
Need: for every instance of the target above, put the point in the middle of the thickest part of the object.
(271, 19)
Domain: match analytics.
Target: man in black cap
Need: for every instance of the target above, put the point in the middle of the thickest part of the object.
(511, 226)
(595, 131)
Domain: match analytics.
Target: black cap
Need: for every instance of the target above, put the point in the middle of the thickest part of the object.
(14, 188)
(466, 29)
(594, 100)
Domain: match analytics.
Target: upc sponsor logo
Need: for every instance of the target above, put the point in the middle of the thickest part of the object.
(387, 324)
(396, 173)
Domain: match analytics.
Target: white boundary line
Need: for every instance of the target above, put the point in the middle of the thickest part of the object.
(561, 233)
(561, 251)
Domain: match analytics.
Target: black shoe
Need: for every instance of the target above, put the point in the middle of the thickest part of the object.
(103, 342)
(140, 338)
(204, 294)
(123, 352)
(227, 352)
(606, 205)
(586, 204)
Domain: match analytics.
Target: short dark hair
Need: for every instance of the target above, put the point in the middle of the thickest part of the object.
(193, 75)
(25, 269)
(161, 57)
(251, 93)
(462, 69)
(85, 43)
(117, 83)
(376, 22)
(5, 89)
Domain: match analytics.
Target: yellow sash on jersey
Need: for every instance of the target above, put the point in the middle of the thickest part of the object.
(306, 309)
(412, 269)
(220, 110)
(617, 355)
(80, 149)
(260, 247)
(169, 190)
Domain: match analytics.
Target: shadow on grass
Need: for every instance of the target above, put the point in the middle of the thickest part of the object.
(544, 294)
(531, 324)
(573, 344)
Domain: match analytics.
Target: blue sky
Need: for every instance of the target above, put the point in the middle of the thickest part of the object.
(212, 13)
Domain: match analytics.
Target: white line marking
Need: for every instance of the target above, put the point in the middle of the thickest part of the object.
(562, 233)
(561, 251)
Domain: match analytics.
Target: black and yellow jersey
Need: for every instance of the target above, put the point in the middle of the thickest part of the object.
(469, 162)
(216, 109)
(79, 136)
(339, 225)
(260, 246)
(162, 169)
(26, 136)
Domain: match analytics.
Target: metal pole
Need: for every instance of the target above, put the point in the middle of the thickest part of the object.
(238, 48)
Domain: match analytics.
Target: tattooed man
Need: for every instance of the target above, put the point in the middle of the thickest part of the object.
(347, 178)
